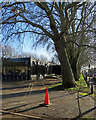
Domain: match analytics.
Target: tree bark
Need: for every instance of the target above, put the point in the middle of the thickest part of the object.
(74, 68)
(66, 71)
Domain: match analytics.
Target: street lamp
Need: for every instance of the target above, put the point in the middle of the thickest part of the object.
(89, 74)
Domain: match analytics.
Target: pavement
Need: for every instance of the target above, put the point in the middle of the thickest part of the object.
(27, 100)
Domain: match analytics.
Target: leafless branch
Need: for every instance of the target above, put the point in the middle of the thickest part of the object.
(88, 46)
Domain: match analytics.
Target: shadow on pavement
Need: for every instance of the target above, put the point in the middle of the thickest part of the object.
(84, 113)
(32, 108)
(9, 88)
(78, 103)
(35, 85)
(17, 107)
(35, 103)
(21, 94)
(84, 95)
(24, 93)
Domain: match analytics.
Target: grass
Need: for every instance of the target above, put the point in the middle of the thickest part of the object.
(81, 87)
(86, 118)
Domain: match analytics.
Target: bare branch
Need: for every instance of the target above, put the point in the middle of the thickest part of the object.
(44, 7)
(52, 7)
(88, 46)
(10, 5)
(38, 26)
(19, 32)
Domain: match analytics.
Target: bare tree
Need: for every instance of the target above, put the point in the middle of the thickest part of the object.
(8, 52)
(82, 39)
(51, 23)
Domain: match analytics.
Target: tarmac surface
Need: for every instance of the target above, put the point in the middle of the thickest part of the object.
(26, 97)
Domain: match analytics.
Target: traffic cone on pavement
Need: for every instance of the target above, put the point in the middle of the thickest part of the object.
(46, 101)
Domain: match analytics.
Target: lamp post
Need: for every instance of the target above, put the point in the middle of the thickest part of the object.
(89, 74)
(89, 70)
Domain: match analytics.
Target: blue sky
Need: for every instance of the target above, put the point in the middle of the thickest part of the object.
(40, 50)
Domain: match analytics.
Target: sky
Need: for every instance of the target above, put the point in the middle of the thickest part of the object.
(40, 50)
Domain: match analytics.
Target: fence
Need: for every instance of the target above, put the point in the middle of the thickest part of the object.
(16, 68)
(24, 68)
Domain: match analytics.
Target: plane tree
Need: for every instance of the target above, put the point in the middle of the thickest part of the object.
(48, 24)
(82, 39)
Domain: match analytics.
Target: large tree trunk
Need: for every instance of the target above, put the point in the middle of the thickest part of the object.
(66, 71)
(74, 68)
(78, 70)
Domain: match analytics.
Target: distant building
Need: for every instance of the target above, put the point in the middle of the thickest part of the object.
(24, 68)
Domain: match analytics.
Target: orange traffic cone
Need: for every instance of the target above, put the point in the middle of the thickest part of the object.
(46, 101)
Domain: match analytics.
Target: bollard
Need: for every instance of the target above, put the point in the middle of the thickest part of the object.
(91, 88)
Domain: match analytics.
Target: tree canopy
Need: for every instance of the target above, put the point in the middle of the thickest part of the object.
(66, 26)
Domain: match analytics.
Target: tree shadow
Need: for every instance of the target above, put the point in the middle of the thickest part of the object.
(84, 113)
(12, 108)
(20, 111)
(9, 88)
(21, 94)
(11, 95)
(78, 103)
(35, 103)
(32, 108)
(84, 95)
(26, 86)
(42, 105)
